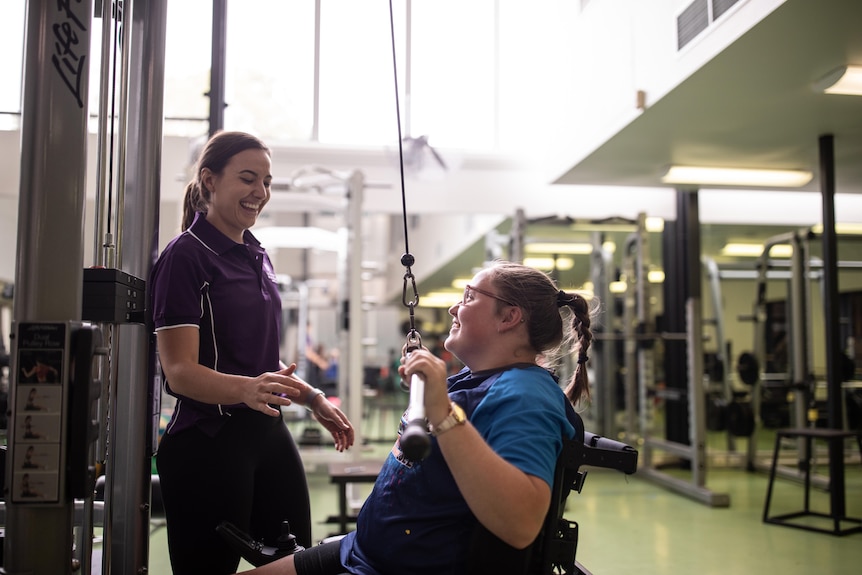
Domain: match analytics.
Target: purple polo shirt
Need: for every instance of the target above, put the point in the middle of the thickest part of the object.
(227, 290)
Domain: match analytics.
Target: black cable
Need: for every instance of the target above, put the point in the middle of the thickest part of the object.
(398, 116)
(117, 13)
(414, 439)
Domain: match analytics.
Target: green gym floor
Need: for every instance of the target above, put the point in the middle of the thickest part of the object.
(631, 525)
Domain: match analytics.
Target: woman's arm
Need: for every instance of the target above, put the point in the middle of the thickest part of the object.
(326, 413)
(508, 502)
(178, 355)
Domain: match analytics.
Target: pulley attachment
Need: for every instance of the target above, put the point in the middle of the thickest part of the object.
(415, 441)
(407, 260)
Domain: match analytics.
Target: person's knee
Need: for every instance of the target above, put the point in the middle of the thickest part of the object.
(323, 559)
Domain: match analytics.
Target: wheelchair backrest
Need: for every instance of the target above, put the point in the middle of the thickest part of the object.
(556, 545)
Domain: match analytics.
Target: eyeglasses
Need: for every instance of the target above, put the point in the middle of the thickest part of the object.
(469, 288)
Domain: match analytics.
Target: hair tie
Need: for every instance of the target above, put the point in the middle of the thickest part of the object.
(564, 299)
(584, 358)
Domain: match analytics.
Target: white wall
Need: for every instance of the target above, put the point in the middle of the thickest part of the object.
(641, 54)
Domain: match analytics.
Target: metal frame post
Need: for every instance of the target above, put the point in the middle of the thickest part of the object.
(217, 67)
(50, 236)
(136, 396)
(834, 397)
(687, 243)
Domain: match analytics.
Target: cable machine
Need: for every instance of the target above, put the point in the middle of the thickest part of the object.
(682, 335)
(98, 384)
(794, 377)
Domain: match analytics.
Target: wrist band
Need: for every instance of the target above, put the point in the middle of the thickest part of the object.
(312, 395)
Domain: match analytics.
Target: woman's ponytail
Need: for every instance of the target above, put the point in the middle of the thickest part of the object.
(193, 202)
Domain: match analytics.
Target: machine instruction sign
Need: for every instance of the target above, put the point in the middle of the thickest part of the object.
(40, 373)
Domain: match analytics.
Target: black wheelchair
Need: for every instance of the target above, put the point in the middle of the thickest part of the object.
(555, 548)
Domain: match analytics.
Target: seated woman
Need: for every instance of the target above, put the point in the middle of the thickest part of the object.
(497, 427)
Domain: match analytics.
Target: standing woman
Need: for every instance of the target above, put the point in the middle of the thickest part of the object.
(227, 454)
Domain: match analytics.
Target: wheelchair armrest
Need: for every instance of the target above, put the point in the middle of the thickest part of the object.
(598, 451)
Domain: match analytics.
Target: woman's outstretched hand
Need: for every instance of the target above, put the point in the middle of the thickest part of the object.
(274, 389)
(332, 418)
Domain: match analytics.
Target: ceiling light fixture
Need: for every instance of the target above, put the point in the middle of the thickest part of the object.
(742, 250)
(308, 237)
(654, 224)
(841, 228)
(655, 276)
(781, 251)
(558, 248)
(755, 250)
(736, 177)
(547, 264)
(842, 80)
(444, 299)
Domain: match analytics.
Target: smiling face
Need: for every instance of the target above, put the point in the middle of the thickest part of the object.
(239, 192)
(475, 321)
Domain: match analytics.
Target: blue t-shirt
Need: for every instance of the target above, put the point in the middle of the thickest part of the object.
(230, 292)
(419, 523)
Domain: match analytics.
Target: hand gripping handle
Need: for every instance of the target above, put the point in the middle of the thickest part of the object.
(415, 441)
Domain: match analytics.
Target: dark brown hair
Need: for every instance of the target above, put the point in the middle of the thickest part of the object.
(545, 307)
(215, 155)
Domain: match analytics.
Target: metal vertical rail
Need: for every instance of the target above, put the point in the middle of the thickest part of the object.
(302, 315)
(834, 399)
(122, 122)
(315, 123)
(516, 236)
(113, 244)
(217, 69)
(601, 265)
(694, 340)
(350, 376)
(50, 236)
(799, 305)
(646, 323)
(102, 241)
(713, 277)
(136, 399)
(630, 326)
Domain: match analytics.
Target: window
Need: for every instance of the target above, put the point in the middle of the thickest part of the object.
(188, 54)
(12, 44)
(357, 85)
(269, 76)
(479, 78)
(455, 69)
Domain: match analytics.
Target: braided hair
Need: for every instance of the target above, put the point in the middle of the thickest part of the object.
(545, 308)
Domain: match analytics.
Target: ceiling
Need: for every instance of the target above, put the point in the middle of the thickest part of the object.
(751, 106)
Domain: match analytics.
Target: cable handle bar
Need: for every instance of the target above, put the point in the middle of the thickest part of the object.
(415, 441)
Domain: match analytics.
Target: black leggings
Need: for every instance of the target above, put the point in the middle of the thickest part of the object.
(249, 473)
(322, 559)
